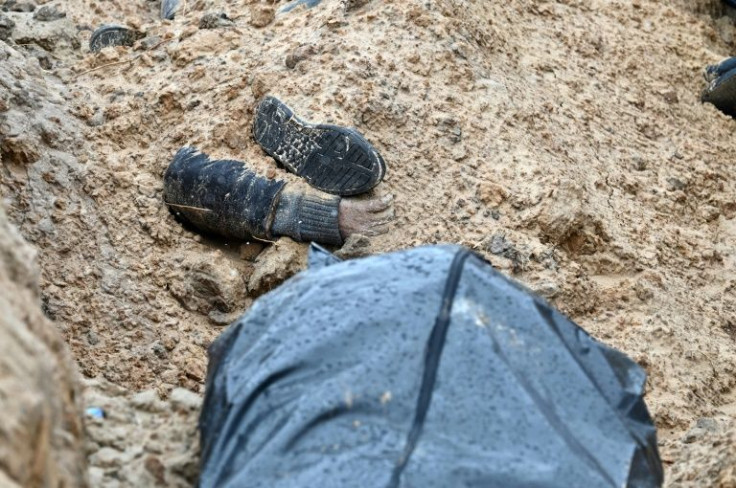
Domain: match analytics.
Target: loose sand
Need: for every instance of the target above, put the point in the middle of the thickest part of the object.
(562, 140)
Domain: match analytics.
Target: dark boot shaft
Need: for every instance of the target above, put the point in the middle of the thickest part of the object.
(220, 196)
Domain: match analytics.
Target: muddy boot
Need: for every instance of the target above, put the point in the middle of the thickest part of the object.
(112, 35)
(721, 89)
(331, 158)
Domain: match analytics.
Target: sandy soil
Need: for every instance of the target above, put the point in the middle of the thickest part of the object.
(563, 140)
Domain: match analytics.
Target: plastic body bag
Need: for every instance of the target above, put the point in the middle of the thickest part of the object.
(420, 368)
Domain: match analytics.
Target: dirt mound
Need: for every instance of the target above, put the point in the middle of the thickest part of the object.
(563, 140)
(41, 431)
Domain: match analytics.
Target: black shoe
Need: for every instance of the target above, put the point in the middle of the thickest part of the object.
(333, 159)
(112, 35)
(721, 89)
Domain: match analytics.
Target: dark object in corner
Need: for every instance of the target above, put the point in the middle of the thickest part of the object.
(721, 89)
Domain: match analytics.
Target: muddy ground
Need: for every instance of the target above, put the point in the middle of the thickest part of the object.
(563, 140)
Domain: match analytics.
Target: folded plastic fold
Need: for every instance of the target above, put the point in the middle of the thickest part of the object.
(420, 368)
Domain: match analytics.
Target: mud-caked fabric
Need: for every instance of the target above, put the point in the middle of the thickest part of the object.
(228, 198)
(421, 368)
(308, 216)
(221, 196)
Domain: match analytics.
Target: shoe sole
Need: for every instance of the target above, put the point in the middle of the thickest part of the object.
(721, 92)
(111, 35)
(331, 158)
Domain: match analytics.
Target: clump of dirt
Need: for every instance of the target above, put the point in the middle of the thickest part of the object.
(142, 440)
(562, 140)
(41, 430)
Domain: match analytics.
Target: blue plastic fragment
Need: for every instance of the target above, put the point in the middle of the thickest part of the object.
(95, 412)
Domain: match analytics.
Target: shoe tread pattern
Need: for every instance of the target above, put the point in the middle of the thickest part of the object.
(333, 159)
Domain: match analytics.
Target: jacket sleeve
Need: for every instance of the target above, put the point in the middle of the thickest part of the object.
(228, 198)
(221, 196)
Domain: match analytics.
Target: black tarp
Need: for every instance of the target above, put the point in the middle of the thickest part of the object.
(421, 368)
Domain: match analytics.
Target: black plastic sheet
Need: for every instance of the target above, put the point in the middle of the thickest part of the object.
(421, 368)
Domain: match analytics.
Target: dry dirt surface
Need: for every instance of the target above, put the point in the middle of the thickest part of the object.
(41, 438)
(562, 140)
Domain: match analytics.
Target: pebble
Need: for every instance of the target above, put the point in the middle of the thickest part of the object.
(214, 20)
(147, 401)
(48, 13)
(261, 15)
(299, 53)
(6, 27)
(547, 289)
(15, 6)
(107, 457)
(183, 399)
(150, 42)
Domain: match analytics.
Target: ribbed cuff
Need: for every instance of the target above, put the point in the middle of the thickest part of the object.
(308, 217)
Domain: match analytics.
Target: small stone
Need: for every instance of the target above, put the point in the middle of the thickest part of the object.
(107, 457)
(183, 399)
(547, 289)
(97, 119)
(194, 370)
(491, 194)
(96, 476)
(675, 184)
(458, 152)
(276, 264)
(355, 246)
(147, 401)
(154, 466)
(188, 31)
(639, 163)
(498, 245)
(170, 340)
(214, 20)
(150, 42)
(261, 15)
(670, 96)
(710, 213)
(15, 6)
(261, 84)
(703, 426)
(354, 4)
(6, 27)
(48, 13)
(92, 338)
(223, 318)
(299, 53)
